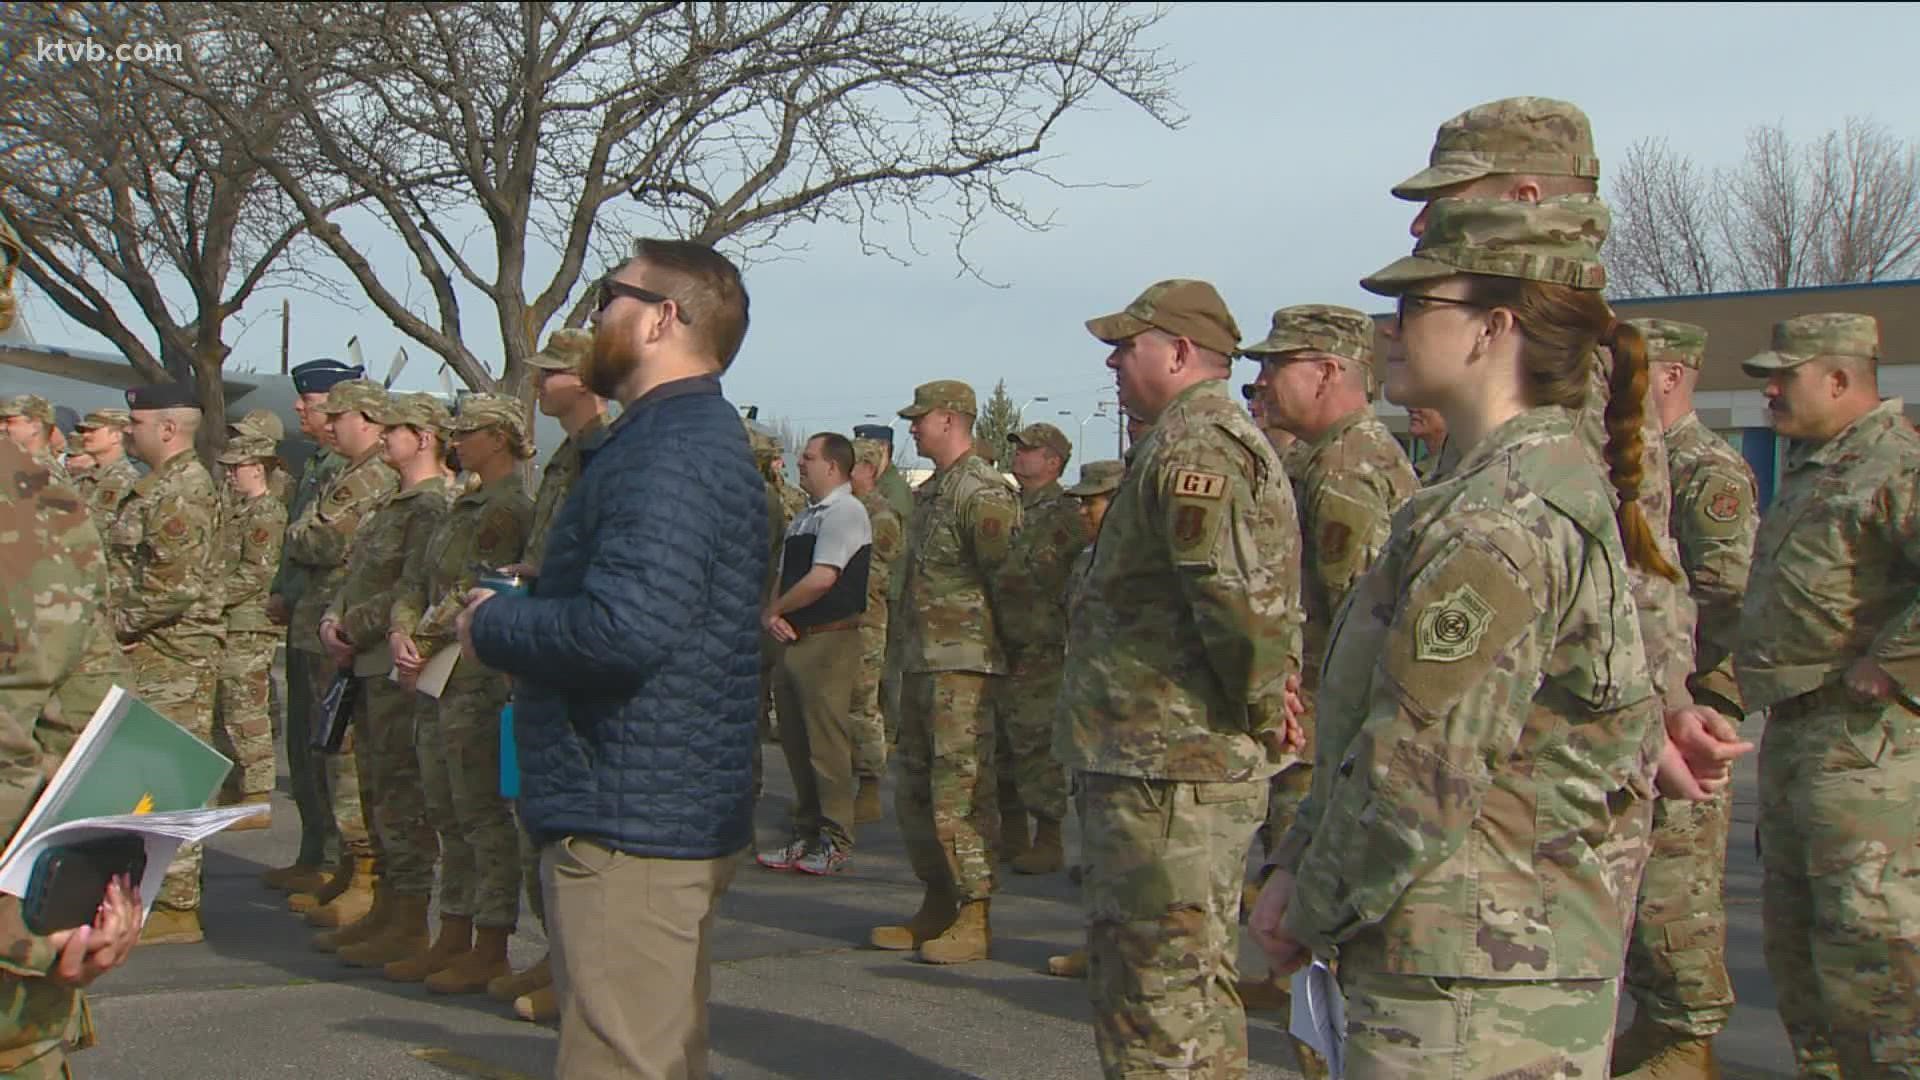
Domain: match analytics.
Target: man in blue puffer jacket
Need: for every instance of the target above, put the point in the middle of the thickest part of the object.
(636, 666)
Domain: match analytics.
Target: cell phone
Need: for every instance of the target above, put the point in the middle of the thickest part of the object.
(70, 880)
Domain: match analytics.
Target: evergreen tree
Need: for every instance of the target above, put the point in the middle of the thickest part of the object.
(999, 418)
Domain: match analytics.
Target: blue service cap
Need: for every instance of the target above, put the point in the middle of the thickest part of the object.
(876, 432)
(318, 376)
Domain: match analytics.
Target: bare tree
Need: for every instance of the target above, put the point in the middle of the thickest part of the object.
(119, 188)
(1843, 208)
(561, 129)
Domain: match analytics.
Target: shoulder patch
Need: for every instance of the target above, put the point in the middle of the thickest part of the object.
(1196, 484)
(261, 535)
(1724, 504)
(1450, 628)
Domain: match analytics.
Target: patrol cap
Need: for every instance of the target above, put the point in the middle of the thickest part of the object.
(880, 433)
(1098, 478)
(262, 423)
(420, 410)
(99, 418)
(1046, 436)
(565, 349)
(1556, 240)
(32, 406)
(165, 395)
(318, 376)
(248, 448)
(950, 394)
(1326, 328)
(478, 412)
(868, 452)
(354, 395)
(1179, 306)
(1672, 342)
(1533, 136)
(1800, 339)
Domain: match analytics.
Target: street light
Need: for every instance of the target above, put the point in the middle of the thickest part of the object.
(1099, 412)
(1021, 416)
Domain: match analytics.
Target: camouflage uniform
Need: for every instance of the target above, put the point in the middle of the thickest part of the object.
(250, 538)
(1177, 655)
(1836, 579)
(1676, 959)
(893, 487)
(949, 655)
(53, 594)
(321, 541)
(167, 603)
(107, 485)
(319, 839)
(35, 407)
(1487, 733)
(871, 724)
(765, 449)
(1030, 603)
(459, 741)
(1347, 482)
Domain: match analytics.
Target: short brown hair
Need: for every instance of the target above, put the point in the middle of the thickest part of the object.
(707, 287)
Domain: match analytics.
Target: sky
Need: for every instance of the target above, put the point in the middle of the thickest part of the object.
(1298, 120)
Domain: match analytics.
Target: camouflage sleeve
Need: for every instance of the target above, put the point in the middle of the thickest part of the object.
(367, 622)
(325, 537)
(889, 539)
(500, 535)
(1459, 668)
(409, 598)
(1352, 517)
(1715, 521)
(263, 531)
(1244, 595)
(989, 520)
(1897, 646)
(1035, 573)
(179, 536)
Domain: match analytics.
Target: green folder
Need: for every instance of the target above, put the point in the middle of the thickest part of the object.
(129, 760)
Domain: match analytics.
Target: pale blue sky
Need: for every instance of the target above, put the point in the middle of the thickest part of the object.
(1299, 119)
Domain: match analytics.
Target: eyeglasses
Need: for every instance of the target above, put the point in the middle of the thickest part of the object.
(1400, 307)
(610, 289)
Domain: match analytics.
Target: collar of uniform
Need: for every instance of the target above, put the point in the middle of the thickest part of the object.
(1680, 426)
(177, 463)
(1332, 435)
(1046, 491)
(1870, 428)
(954, 467)
(590, 434)
(510, 482)
(1203, 388)
(424, 487)
(1525, 427)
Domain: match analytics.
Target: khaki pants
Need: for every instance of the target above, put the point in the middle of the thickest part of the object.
(813, 686)
(630, 939)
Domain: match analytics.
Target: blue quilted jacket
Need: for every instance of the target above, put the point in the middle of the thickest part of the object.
(636, 659)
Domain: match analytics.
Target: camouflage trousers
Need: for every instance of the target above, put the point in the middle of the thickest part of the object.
(1840, 848)
(1164, 864)
(1023, 706)
(868, 722)
(306, 773)
(243, 713)
(339, 774)
(459, 752)
(181, 690)
(1476, 1029)
(391, 787)
(1677, 952)
(41, 1022)
(945, 803)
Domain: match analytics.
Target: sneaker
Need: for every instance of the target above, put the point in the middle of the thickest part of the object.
(822, 858)
(782, 858)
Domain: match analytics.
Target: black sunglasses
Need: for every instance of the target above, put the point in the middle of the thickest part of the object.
(1400, 303)
(609, 289)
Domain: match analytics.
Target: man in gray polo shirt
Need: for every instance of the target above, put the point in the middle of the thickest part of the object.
(815, 611)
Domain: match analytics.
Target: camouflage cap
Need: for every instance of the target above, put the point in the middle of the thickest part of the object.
(1327, 328)
(1179, 306)
(419, 410)
(32, 406)
(1520, 135)
(869, 452)
(565, 349)
(100, 418)
(354, 395)
(478, 412)
(261, 423)
(1673, 342)
(1800, 339)
(1098, 478)
(248, 448)
(1555, 240)
(1047, 436)
(950, 394)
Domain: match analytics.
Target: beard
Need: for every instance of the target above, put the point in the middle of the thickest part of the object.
(607, 366)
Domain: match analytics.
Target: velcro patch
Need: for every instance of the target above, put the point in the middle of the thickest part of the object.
(1195, 484)
(1724, 505)
(1450, 628)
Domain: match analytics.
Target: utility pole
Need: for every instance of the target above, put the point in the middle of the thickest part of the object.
(286, 332)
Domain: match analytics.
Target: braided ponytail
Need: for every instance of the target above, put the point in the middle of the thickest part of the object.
(1626, 411)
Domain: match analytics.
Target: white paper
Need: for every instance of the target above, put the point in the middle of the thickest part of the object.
(1320, 1015)
(162, 833)
(434, 676)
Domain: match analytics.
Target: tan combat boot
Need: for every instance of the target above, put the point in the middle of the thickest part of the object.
(297, 878)
(1015, 832)
(516, 985)
(361, 930)
(486, 961)
(965, 941)
(351, 904)
(866, 804)
(342, 876)
(263, 821)
(403, 934)
(538, 1007)
(1264, 995)
(171, 926)
(1071, 966)
(1047, 855)
(938, 907)
(1680, 1057)
(454, 941)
